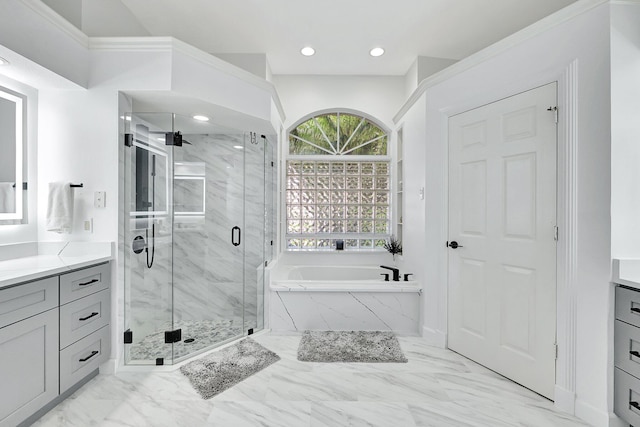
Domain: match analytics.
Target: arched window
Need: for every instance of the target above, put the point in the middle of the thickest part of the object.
(337, 183)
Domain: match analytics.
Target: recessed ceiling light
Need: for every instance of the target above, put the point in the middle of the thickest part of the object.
(201, 118)
(376, 51)
(308, 51)
(3, 61)
(239, 147)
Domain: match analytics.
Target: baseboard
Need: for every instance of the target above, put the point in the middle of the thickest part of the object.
(108, 367)
(564, 400)
(434, 337)
(591, 415)
(615, 421)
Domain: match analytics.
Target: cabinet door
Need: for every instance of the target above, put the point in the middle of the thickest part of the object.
(28, 366)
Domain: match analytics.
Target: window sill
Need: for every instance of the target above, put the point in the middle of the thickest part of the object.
(331, 250)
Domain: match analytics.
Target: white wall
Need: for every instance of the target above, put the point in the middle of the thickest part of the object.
(413, 258)
(102, 18)
(534, 61)
(255, 63)
(625, 131)
(78, 144)
(423, 67)
(32, 29)
(301, 95)
(380, 97)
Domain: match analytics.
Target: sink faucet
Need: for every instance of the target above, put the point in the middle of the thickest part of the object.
(396, 272)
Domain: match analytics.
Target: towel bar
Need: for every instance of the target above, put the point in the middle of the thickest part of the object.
(76, 185)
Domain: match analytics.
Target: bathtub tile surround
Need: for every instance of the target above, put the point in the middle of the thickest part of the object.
(350, 346)
(436, 387)
(341, 298)
(220, 370)
(345, 311)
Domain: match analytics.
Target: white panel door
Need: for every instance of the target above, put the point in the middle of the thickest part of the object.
(502, 214)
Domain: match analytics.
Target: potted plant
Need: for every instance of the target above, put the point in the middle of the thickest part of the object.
(393, 246)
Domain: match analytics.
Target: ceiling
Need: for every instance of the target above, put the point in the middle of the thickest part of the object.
(341, 31)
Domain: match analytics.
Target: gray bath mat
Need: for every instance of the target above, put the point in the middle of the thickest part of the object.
(222, 369)
(350, 346)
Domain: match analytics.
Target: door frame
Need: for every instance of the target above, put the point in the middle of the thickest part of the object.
(566, 208)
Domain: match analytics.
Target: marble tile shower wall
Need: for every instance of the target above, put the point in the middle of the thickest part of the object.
(235, 197)
(207, 267)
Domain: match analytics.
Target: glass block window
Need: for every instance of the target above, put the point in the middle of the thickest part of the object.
(342, 197)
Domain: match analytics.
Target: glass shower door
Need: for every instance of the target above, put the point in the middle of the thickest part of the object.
(148, 239)
(209, 236)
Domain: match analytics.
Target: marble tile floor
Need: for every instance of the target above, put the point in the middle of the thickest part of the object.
(436, 388)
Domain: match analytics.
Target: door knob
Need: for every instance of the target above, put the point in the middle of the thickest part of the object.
(454, 245)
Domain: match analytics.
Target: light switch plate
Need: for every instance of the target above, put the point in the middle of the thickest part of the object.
(100, 199)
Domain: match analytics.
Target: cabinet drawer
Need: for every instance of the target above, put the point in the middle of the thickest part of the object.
(84, 316)
(83, 357)
(81, 283)
(626, 397)
(627, 347)
(22, 301)
(628, 305)
(28, 367)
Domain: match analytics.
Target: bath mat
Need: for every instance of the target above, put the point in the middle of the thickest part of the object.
(350, 346)
(222, 369)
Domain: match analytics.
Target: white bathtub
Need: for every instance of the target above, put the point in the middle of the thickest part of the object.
(341, 298)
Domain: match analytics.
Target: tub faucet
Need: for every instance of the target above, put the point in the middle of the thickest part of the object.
(396, 272)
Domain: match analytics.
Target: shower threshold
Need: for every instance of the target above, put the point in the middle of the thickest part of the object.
(198, 336)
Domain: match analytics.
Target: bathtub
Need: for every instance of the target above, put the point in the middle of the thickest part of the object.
(312, 297)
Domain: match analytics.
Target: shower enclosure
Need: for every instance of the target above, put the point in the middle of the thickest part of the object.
(198, 232)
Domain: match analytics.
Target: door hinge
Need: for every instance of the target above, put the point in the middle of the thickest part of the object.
(555, 350)
(555, 233)
(172, 336)
(271, 164)
(555, 112)
(128, 140)
(128, 336)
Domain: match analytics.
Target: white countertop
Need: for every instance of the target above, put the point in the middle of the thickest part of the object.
(37, 260)
(627, 272)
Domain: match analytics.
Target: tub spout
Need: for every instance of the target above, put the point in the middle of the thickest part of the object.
(396, 272)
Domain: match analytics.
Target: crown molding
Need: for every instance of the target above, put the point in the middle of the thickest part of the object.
(539, 27)
(138, 44)
(58, 21)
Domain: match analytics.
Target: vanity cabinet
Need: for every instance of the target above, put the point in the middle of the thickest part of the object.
(54, 333)
(627, 355)
(85, 302)
(28, 349)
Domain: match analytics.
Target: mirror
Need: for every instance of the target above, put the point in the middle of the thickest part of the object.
(11, 155)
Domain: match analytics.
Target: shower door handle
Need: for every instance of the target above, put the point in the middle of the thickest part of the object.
(234, 241)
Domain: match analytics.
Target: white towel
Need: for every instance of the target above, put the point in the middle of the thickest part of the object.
(60, 207)
(7, 197)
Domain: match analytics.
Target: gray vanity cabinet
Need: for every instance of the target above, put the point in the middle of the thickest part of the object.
(54, 334)
(627, 355)
(28, 349)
